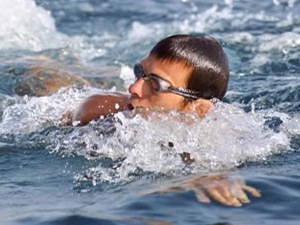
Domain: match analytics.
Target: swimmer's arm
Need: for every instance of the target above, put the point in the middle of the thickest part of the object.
(226, 190)
(96, 106)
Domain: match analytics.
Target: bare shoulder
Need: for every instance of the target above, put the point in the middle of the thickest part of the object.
(98, 105)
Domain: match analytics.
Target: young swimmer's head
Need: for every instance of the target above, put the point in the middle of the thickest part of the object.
(210, 70)
(181, 72)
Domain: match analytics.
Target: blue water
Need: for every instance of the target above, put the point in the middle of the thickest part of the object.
(106, 174)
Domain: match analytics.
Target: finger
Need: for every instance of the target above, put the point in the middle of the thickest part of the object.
(239, 193)
(252, 191)
(215, 194)
(242, 197)
(225, 191)
(230, 198)
(236, 202)
(201, 196)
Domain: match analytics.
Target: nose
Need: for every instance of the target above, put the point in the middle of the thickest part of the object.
(138, 88)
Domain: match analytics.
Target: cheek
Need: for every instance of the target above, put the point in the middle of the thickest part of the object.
(168, 101)
(165, 100)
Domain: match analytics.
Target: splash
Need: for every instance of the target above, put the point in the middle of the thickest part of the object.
(133, 145)
(128, 144)
(124, 147)
(27, 26)
(23, 115)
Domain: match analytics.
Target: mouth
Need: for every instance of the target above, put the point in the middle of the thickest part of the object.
(135, 102)
(129, 107)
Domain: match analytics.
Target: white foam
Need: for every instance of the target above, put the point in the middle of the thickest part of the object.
(24, 25)
(197, 21)
(270, 47)
(126, 74)
(141, 31)
(226, 138)
(286, 40)
(274, 47)
(289, 2)
(34, 28)
(29, 114)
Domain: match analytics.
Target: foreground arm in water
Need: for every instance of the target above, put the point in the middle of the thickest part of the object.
(224, 189)
(97, 106)
(230, 191)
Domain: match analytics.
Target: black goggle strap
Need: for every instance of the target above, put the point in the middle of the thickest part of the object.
(185, 92)
(139, 72)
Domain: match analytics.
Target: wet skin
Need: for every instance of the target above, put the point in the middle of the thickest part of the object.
(226, 191)
(142, 96)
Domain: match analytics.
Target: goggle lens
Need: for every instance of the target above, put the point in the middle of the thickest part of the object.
(155, 84)
(153, 81)
(138, 71)
(158, 84)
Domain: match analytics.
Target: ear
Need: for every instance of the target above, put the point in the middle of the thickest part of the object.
(201, 106)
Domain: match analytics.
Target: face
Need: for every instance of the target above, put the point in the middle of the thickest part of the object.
(142, 95)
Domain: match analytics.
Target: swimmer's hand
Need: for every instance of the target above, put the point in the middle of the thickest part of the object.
(227, 191)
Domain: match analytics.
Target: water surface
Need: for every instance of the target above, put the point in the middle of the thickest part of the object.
(103, 173)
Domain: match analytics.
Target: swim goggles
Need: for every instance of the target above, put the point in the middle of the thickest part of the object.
(159, 84)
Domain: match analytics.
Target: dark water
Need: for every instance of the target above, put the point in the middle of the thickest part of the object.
(103, 174)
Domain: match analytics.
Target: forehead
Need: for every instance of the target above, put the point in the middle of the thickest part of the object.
(174, 71)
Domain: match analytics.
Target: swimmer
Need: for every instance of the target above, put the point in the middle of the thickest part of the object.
(183, 73)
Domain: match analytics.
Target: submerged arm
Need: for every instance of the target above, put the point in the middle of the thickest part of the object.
(230, 191)
(226, 190)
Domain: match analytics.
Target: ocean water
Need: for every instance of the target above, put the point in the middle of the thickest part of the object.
(109, 172)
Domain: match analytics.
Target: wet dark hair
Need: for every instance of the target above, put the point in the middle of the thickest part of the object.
(210, 73)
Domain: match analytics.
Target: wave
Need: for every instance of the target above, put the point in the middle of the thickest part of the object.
(227, 138)
(131, 144)
(33, 27)
(39, 32)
